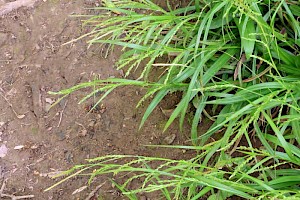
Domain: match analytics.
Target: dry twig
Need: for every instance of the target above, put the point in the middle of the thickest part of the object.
(11, 106)
(61, 114)
(94, 191)
(13, 197)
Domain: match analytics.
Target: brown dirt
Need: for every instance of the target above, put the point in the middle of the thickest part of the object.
(33, 62)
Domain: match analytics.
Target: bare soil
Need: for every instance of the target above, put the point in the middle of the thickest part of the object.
(41, 141)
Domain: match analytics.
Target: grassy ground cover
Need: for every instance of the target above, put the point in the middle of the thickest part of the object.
(236, 63)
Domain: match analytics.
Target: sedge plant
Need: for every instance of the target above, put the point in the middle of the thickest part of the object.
(238, 64)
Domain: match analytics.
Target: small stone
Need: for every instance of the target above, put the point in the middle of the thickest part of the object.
(170, 139)
(69, 157)
(61, 135)
(19, 147)
(34, 146)
(102, 108)
(3, 150)
(82, 133)
(49, 101)
(109, 144)
(36, 173)
(47, 107)
(62, 103)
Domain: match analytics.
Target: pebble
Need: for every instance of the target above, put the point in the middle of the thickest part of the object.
(47, 107)
(3, 150)
(61, 135)
(69, 156)
(82, 133)
(170, 139)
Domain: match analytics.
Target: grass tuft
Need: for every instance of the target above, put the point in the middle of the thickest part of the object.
(236, 61)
